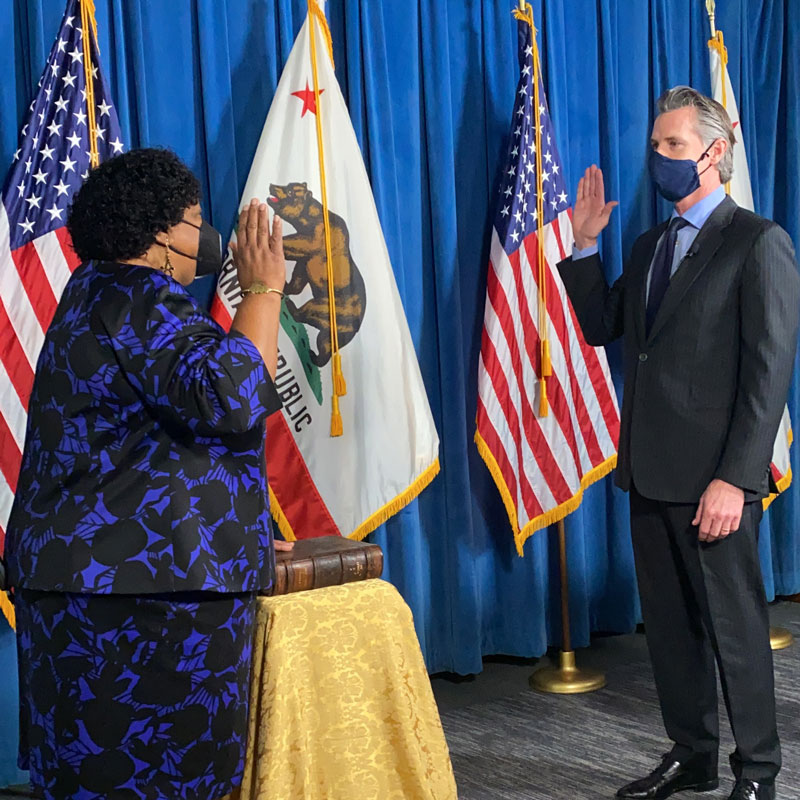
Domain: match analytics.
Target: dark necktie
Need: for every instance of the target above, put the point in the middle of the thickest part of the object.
(661, 271)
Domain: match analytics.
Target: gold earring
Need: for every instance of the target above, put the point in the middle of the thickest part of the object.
(167, 267)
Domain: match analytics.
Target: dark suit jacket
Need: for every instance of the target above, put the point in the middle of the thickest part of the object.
(705, 391)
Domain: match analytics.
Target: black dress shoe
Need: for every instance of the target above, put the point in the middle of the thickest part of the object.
(672, 776)
(750, 790)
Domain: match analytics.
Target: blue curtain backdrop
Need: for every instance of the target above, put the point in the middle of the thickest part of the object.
(430, 87)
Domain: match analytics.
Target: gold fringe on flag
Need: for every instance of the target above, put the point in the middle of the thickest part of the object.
(374, 520)
(549, 517)
(7, 610)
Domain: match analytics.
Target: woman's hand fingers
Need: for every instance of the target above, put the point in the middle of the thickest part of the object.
(276, 240)
(262, 220)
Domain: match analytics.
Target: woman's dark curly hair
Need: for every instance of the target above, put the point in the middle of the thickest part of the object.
(126, 201)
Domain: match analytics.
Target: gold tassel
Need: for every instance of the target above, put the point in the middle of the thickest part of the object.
(547, 365)
(544, 406)
(336, 418)
(339, 383)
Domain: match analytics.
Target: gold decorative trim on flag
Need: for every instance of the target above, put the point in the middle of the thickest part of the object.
(372, 522)
(782, 485)
(554, 514)
(8, 610)
(393, 506)
(785, 481)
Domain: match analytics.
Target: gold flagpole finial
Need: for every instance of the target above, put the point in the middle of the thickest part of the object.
(711, 8)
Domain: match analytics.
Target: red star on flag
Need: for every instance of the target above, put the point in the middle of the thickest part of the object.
(309, 101)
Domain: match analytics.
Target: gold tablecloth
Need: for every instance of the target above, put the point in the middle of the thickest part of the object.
(341, 704)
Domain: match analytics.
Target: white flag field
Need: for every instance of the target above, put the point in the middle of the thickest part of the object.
(323, 484)
(741, 192)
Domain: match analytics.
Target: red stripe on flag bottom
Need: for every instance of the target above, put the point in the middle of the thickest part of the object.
(36, 284)
(291, 482)
(502, 391)
(558, 401)
(219, 313)
(14, 359)
(65, 241)
(489, 435)
(604, 397)
(591, 362)
(776, 473)
(556, 395)
(10, 456)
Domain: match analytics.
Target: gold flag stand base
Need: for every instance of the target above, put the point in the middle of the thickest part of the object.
(567, 678)
(780, 638)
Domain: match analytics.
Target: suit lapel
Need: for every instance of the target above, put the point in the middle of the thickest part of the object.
(704, 247)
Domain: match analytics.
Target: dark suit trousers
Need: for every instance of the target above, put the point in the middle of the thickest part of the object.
(705, 602)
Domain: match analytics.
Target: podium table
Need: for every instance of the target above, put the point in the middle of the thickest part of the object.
(341, 704)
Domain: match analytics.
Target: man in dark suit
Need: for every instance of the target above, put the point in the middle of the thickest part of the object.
(708, 306)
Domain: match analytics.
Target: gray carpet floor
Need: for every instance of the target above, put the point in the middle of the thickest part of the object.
(508, 742)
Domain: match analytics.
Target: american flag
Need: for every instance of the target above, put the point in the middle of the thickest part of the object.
(36, 257)
(543, 446)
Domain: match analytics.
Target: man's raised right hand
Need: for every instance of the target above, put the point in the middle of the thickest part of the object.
(591, 212)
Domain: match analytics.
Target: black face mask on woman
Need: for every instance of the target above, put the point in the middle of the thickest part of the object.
(209, 249)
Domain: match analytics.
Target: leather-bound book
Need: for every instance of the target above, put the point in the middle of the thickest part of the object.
(325, 561)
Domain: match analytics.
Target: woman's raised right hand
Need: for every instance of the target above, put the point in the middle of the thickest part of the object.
(257, 253)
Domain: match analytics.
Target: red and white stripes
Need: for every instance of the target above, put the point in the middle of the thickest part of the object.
(541, 464)
(32, 278)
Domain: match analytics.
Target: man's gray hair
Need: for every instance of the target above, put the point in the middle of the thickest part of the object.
(713, 121)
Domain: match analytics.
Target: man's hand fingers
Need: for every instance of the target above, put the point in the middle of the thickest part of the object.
(699, 513)
(715, 527)
(706, 521)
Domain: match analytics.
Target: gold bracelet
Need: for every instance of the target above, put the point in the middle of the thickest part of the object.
(260, 288)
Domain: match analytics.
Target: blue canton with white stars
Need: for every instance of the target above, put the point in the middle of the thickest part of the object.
(516, 215)
(52, 158)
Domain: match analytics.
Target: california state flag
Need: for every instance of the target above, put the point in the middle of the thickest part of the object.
(340, 459)
(739, 189)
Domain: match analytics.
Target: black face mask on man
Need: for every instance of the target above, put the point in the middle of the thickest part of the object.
(676, 178)
(209, 249)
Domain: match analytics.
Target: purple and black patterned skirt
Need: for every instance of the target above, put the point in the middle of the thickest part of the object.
(126, 696)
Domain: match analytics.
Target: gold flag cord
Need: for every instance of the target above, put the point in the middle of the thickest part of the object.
(87, 20)
(525, 14)
(339, 386)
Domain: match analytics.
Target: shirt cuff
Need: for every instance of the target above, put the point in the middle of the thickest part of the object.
(577, 254)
